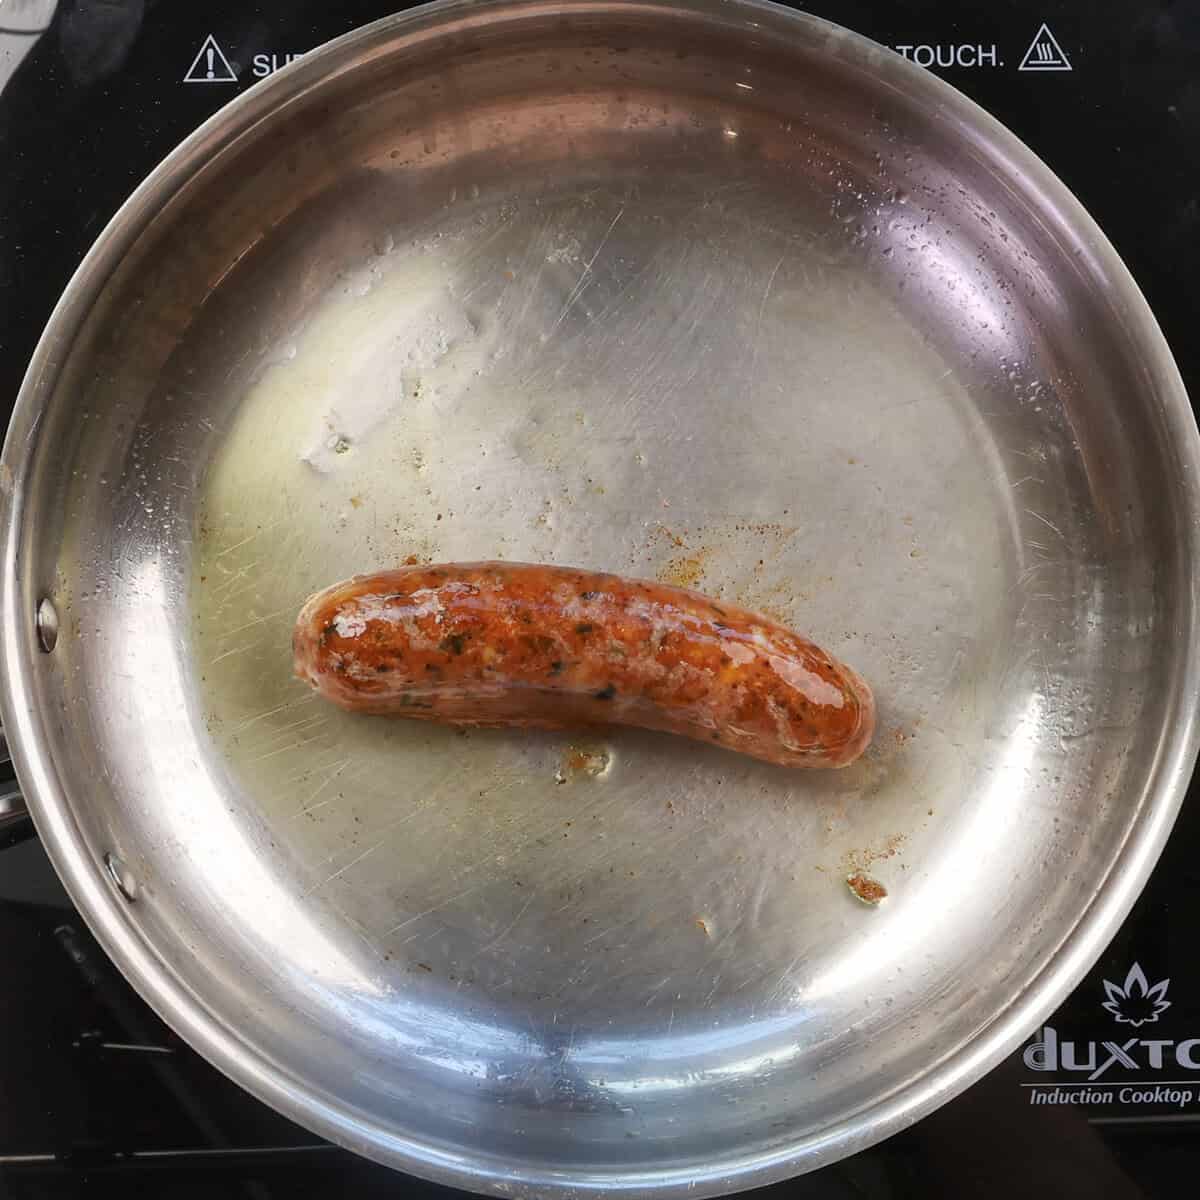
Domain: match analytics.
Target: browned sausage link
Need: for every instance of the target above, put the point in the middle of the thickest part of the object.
(517, 644)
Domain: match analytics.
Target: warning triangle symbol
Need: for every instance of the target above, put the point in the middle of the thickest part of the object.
(210, 65)
(1044, 53)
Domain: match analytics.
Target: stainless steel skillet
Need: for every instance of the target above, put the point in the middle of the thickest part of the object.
(713, 292)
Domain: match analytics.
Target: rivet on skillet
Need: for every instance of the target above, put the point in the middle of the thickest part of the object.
(47, 624)
(119, 874)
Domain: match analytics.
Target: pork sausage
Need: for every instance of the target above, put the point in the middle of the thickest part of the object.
(516, 644)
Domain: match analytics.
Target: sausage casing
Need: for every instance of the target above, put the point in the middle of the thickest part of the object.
(517, 644)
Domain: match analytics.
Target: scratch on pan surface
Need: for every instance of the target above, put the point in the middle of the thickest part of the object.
(308, 805)
(236, 650)
(270, 712)
(432, 909)
(762, 308)
(342, 870)
(249, 538)
(510, 926)
(581, 283)
(257, 621)
(316, 721)
(1047, 522)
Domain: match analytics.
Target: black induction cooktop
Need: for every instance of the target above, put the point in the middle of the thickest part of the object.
(98, 1096)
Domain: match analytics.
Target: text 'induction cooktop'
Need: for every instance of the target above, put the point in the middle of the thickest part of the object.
(1103, 1100)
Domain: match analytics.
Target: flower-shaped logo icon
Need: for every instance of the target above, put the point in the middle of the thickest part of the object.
(1137, 1003)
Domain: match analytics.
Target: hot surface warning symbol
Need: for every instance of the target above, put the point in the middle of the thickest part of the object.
(210, 65)
(1044, 53)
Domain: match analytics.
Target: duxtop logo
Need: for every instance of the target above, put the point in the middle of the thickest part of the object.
(1134, 1002)
(1137, 1003)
